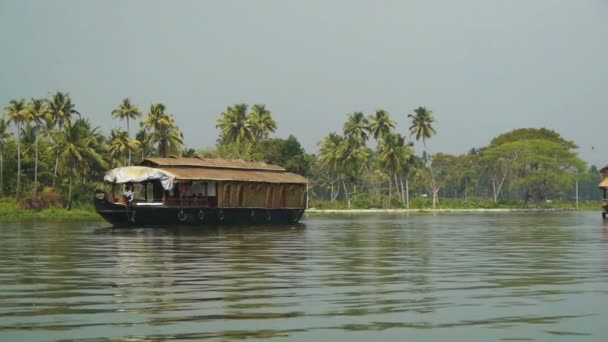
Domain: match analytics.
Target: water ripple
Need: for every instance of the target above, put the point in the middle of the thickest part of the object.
(511, 277)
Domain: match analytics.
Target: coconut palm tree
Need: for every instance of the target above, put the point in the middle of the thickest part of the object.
(355, 159)
(330, 159)
(189, 153)
(357, 128)
(156, 117)
(393, 154)
(380, 124)
(120, 144)
(127, 111)
(17, 114)
(169, 139)
(234, 125)
(422, 124)
(5, 135)
(328, 151)
(61, 111)
(261, 122)
(422, 128)
(40, 113)
(145, 143)
(163, 130)
(79, 151)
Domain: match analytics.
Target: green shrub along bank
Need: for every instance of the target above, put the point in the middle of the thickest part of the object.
(11, 211)
(425, 204)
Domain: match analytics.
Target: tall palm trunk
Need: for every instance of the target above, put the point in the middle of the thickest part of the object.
(407, 193)
(36, 166)
(129, 136)
(18, 161)
(397, 186)
(390, 192)
(1, 173)
(69, 205)
(402, 191)
(55, 172)
(162, 148)
(346, 194)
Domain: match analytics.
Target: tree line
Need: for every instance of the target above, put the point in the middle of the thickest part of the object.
(48, 146)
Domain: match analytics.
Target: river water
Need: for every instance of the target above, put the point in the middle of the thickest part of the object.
(420, 277)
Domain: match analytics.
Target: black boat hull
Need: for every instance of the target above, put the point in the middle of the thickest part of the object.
(147, 215)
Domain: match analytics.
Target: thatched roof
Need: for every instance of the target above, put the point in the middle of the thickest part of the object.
(209, 163)
(169, 170)
(234, 175)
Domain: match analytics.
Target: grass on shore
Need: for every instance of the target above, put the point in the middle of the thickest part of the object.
(11, 211)
(472, 204)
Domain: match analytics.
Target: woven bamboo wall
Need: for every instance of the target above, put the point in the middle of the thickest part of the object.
(260, 195)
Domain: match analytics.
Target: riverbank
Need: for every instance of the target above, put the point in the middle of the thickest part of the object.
(11, 211)
(438, 210)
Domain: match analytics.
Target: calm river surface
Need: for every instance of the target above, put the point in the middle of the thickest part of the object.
(381, 277)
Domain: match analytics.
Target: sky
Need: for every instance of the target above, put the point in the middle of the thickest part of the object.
(484, 67)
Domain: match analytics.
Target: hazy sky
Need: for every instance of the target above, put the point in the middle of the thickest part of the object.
(483, 66)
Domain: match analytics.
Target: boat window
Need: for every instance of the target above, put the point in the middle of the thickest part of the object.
(227, 195)
(269, 197)
(239, 196)
(282, 200)
(211, 186)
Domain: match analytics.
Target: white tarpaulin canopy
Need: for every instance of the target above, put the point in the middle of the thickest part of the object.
(138, 174)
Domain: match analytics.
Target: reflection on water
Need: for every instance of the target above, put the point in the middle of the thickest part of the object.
(530, 277)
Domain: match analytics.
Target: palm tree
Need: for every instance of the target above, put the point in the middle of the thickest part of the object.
(156, 117)
(380, 124)
(61, 111)
(261, 122)
(126, 110)
(354, 159)
(189, 153)
(169, 139)
(329, 158)
(234, 125)
(163, 130)
(145, 143)
(357, 128)
(422, 128)
(422, 124)
(79, 151)
(120, 144)
(5, 135)
(393, 154)
(17, 113)
(39, 112)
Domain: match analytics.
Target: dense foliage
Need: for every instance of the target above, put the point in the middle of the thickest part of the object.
(50, 151)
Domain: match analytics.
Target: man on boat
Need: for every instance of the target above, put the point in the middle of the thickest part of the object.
(128, 192)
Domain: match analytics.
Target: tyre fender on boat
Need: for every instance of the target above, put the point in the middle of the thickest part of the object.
(201, 215)
(182, 216)
(295, 215)
(268, 216)
(220, 216)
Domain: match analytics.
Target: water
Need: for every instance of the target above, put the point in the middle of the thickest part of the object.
(422, 277)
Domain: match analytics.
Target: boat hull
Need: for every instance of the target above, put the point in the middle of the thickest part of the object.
(149, 215)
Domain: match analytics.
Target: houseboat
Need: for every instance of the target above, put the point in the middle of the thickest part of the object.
(201, 191)
(604, 186)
